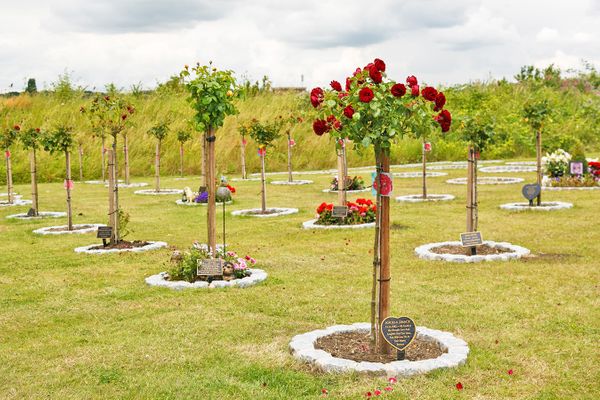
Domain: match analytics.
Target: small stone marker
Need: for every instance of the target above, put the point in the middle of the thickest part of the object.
(399, 333)
(31, 212)
(104, 232)
(576, 168)
(210, 267)
(531, 191)
(339, 211)
(469, 239)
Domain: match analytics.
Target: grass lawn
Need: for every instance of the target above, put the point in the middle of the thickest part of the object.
(87, 326)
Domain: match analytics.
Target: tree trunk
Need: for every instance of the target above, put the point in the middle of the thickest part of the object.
(263, 185)
(157, 166)
(9, 184)
(290, 178)
(243, 150)
(376, 264)
(103, 160)
(212, 210)
(80, 162)
(424, 171)
(34, 188)
(114, 193)
(538, 150)
(68, 188)
(181, 160)
(111, 197)
(341, 173)
(470, 195)
(475, 194)
(204, 159)
(384, 250)
(126, 152)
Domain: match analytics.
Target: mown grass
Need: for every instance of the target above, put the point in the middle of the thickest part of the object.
(80, 326)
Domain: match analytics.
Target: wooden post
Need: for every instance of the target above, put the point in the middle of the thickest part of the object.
(126, 152)
(181, 159)
(157, 166)
(80, 162)
(212, 211)
(424, 156)
(204, 159)
(34, 188)
(384, 250)
(68, 188)
(289, 138)
(114, 169)
(470, 195)
(103, 159)
(9, 181)
(376, 263)
(263, 184)
(111, 197)
(341, 173)
(243, 150)
(538, 150)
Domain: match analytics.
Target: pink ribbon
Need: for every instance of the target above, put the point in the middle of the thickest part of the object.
(68, 184)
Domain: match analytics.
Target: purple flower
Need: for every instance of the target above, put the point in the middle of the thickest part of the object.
(202, 198)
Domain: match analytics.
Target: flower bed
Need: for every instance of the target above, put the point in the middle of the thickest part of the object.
(62, 229)
(271, 212)
(41, 214)
(152, 192)
(558, 174)
(545, 206)
(505, 251)
(355, 183)
(454, 352)
(487, 180)
(97, 249)
(418, 198)
(361, 213)
(292, 183)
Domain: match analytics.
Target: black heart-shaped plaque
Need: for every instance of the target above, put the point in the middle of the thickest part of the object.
(531, 191)
(398, 331)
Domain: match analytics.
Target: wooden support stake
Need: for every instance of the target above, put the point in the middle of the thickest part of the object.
(263, 183)
(289, 160)
(34, 188)
(9, 181)
(126, 153)
(341, 175)
(538, 150)
(111, 197)
(243, 151)
(68, 188)
(384, 249)
(181, 160)
(103, 159)
(80, 162)
(470, 195)
(211, 184)
(424, 156)
(157, 166)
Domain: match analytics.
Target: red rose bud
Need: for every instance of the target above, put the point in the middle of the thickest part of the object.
(341, 95)
(320, 127)
(379, 64)
(398, 90)
(348, 82)
(440, 101)
(349, 111)
(365, 95)
(374, 74)
(357, 71)
(414, 90)
(17, 128)
(335, 85)
(429, 93)
(412, 80)
(316, 97)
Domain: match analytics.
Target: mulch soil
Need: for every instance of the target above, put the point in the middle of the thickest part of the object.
(123, 244)
(75, 228)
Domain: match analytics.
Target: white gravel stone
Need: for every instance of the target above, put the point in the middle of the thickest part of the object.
(487, 180)
(148, 247)
(312, 225)
(560, 188)
(100, 182)
(46, 230)
(417, 174)
(280, 211)
(447, 166)
(316, 172)
(521, 163)
(303, 348)
(508, 168)
(152, 192)
(130, 185)
(41, 214)
(193, 203)
(17, 201)
(292, 183)
(418, 198)
(546, 206)
(425, 252)
(160, 280)
(347, 191)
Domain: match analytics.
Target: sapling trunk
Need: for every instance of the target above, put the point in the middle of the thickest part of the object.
(470, 196)
(68, 188)
(34, 188)
(475, 195)
(157, 166)
(181, 160)
(538, 150)
(115, 194)
(9, 182)
(376, 264)
(384, 253)
(212, 210)
(263, 184)
(243, 151)
(111, 197)
(289, 161)
(126, 153)
(204, 160)
(424, 156)
(341, 174)
(103, 160)
(80, 162)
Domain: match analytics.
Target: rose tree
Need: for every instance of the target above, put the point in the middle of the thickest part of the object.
(372, 110)
(30, 138)
(264, 134)
(535, 115)
(183, 136)
(159, 131)
(8, 136)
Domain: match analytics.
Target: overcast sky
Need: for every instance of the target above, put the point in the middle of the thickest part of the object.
(442, 42)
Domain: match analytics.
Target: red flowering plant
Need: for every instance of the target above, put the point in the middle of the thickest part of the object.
(352, 183)
(362, 211)
(373, 110)
(594, 169)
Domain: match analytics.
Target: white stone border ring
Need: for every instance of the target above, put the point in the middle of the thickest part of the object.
(17, 201)
(303, 349)
(347, 191)
(508, 168)
(148, 247)
(130, 185)
(312, 225)
(487, 180)
(250, 212)
(47, 230)
(559, 188)
(162, 192)
(417, 174)
(193, 203)
(425, 252)
(41, 214)
(256, 276)
(292, 183)
(418, 198)
(546, 206)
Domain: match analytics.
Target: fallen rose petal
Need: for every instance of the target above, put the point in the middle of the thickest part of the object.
(388, 388)
(459, 386)
(510, 372)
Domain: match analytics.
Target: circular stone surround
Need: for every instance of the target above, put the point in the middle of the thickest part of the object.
(193, 203)
(303, 349)
(162, 192)
(314, 172)
(347, 191)
(559, 188)
(417, 174)
(17, 201)
(244, 180)
(546, 206)
(312, 225)
(521, 163)
(487, 180)
(258, 275)
(447, 166)
(292, 183)
(41, 214)
(425, 252)
(130, 185)
(508, 168)
(280, 211)
(418, 198)
(148, 247)
(100, 182)
(46, 231)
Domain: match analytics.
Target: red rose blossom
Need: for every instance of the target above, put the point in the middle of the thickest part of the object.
(349, 111)
(365, 95)
(320, 126)
(414, 90)
(379, 64)
(375, 74)
(357, 71)
(398, 90)
(440, 101)
(316, 97)
(444, 118)
(429, 93)
(335, 85)
(411, 80)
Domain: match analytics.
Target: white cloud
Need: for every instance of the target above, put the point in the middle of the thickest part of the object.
(547, 35)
